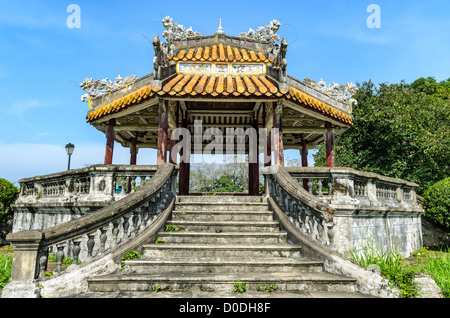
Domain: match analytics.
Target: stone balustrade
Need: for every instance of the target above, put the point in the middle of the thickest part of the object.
(349, 186)
(94, 235)
(309, 215)
(347, 209)
(45, 201)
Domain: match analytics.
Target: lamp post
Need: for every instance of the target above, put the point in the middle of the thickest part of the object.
(69, 149)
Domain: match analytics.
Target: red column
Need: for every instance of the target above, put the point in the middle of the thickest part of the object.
(330, 145)
(278, 138)
(173, 142)
(253, 162)
(133, 151)
(109, 142)
(162, 133)
(268, 146)
(304, 153)
(183, 181)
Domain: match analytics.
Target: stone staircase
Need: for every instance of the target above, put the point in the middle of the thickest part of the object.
(215, 243)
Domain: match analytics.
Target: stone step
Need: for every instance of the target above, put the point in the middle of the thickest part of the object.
(226, 226)
(154, 265)
(220, 250)
(223, 237)
(222, 215)
(215, 206)
(304, 282)
(219, 199)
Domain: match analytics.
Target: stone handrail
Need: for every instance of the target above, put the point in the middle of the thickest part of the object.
(97, 182)
(349, 186)
(310, 216)
(93, 235)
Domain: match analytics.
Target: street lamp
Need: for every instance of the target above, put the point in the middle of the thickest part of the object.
(69, 149)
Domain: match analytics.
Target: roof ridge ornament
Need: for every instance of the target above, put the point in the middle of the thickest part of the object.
(220, 29)
(263, 34)
(341, 92)
(175, 31)
(104, 86)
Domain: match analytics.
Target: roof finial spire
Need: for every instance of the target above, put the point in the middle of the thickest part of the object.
(220, 30)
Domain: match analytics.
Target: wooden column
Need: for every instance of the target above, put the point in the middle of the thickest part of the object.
(109, 142)
(304, 153)
(133, 160)
(173, 142)
(162, 132)
(183, 181)
(133, 151)
(278, 138)
(329, 145)
(268, 148)
(253, 162)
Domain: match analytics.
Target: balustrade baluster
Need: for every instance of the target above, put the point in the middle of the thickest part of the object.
(325, 236)
(59, 257)
(43, 260)
(319, 183)
(315, 233)
(123, 183)
(90, 245)
(103, 237)
(135, 220)
(115, 233)
(132, 184)
(76, 250)
(125, 226)
(310, 186)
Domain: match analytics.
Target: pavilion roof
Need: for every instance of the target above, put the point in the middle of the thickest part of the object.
(219, 66)
(190, 85)
(220, 53)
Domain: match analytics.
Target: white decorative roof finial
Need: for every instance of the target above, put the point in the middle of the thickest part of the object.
(220, 30)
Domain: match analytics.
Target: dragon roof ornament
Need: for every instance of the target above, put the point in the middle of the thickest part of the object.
(263, 34)
(104, 86)
(341, 92)
(175, 31)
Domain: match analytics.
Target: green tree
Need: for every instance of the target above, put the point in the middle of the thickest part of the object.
(8, 194)
(203, 176)
(400, 130)
(436, 203)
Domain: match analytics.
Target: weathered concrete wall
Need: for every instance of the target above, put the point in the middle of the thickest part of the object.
(29, 217)
(389, 231)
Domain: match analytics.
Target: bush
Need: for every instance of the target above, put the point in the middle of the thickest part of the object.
(436, 203)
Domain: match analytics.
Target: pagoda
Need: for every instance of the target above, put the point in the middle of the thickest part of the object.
(219, 82)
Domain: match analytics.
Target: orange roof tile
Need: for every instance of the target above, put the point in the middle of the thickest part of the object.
(216, 85)
(220, 53)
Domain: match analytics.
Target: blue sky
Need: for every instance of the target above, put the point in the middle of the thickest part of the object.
(42, 61)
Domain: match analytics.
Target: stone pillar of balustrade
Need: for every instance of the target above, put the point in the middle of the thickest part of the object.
(24, 270)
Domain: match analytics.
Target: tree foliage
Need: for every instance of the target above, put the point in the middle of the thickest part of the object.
(436, 202)
(400, 130)
(227, 177)
(8, 194)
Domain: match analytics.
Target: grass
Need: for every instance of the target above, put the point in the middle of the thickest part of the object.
(6, 260)
(401, 271)
(437, 264)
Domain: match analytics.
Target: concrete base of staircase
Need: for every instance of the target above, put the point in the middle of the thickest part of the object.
(222, 241)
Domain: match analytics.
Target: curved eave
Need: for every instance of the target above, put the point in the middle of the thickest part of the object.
(219, 86)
